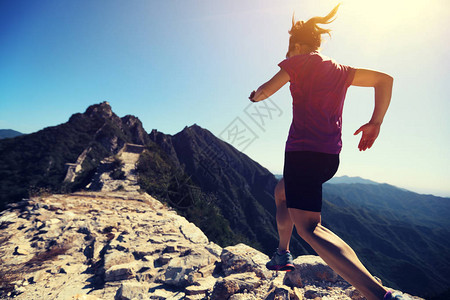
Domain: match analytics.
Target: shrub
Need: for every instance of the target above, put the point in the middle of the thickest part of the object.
(116, 166)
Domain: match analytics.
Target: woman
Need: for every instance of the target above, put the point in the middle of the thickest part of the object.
(318, 86)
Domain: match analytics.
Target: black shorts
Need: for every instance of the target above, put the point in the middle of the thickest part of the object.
(304, 173)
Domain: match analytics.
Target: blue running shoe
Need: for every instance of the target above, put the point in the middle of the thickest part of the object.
(281, 262)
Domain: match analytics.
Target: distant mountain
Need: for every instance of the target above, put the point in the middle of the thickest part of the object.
(348, 180)
(401, 236)
(341, 180)
(8, 133)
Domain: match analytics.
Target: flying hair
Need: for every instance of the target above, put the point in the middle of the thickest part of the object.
(309, 32)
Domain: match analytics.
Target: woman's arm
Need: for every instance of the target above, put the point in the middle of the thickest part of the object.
(383, 92)
(270, 87)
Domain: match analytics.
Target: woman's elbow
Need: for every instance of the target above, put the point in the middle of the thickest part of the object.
(385, 81)
(390, 79)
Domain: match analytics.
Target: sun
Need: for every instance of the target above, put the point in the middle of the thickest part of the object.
(384, 15)
(389, 25)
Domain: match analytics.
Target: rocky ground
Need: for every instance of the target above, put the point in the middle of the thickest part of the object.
(126, 245)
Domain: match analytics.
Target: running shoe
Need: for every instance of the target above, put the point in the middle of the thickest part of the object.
(390, 296)
(281, 262)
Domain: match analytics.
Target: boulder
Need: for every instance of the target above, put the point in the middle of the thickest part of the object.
(114, 257)
(223, 289)
(310, 269)
(133, 291)
(279, 293)
(140, 251)
(193, 233)
(235, 283)
(163, 260)
(120, 272)
(242, 258)
(180, 269)
(201, 287)
(159, 292)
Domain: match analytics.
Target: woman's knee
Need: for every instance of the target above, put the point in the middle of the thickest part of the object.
(280, 195)
(305, 222)
(305, 232)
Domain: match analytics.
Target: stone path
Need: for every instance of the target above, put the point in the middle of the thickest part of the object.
(103, 180)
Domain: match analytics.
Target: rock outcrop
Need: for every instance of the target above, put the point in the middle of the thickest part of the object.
(127, 245)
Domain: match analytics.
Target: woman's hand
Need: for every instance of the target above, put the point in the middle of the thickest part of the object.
(270, 87)
(383, 92)
(252, 95)
(370, 133)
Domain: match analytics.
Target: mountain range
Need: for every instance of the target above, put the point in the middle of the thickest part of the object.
(346, 179)
(8, 133)
(401, 236)
(342, 180)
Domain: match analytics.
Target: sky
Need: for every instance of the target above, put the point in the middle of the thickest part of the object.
(177, 63)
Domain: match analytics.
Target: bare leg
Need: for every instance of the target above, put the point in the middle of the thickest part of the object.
(284, 222)
(336, 253)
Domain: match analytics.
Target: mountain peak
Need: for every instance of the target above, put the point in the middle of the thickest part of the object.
(196, 130)
(102, 109)
(193, 127)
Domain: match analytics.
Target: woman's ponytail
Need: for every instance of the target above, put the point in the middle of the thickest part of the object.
(324, 20)
(309, 32)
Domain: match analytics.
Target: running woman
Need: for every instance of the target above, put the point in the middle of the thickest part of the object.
(318, 86)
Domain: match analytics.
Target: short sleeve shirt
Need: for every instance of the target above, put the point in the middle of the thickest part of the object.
(318, 87)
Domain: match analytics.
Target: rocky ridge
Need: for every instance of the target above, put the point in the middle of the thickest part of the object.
(127, 245)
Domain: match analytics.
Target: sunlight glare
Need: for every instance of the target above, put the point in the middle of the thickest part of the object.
(390, 24)
(386, 15)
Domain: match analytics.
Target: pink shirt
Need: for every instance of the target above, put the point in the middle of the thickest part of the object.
(318, 88)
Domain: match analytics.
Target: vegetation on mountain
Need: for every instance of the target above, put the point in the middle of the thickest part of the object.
(117, 173)
(159, 177)
(38, 160)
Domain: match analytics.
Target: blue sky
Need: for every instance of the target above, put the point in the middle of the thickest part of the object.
(176, 63)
